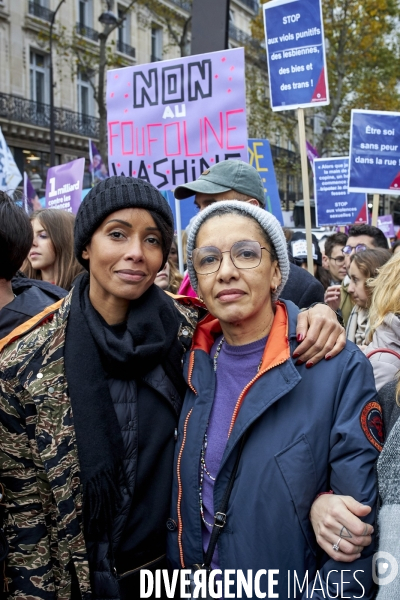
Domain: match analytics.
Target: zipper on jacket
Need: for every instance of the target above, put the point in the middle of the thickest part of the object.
(246, 389)
(178, 471)
(190, 371)
(127, 573)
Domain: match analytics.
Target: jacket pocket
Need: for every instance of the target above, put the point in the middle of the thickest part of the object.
(296, 463)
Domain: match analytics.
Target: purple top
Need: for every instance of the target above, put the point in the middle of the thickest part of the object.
(236, 367)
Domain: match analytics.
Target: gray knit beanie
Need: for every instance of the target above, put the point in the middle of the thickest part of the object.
(116, 193)
(266, 221)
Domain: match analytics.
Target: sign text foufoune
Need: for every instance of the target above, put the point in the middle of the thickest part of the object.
(169, 121)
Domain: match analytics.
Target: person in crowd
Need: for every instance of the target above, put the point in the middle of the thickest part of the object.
(298, 250)
(169, 278)
(360, 237)
(20, 298)
(237, 180)
(333, 261)
(333, 258)
(51, 257)
(363, 267)
(333, 512)
(173, 253)
(244, 389)
(89, 404)
(396, 247)
(384, 319)
(388, 486)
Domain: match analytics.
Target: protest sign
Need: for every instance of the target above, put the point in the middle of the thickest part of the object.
(297, 71)
(97, 168)
(334, 204)
(385, 224)
(375, 152)
(10, 176)
(64, 186)
(261, 159)
(169, 121)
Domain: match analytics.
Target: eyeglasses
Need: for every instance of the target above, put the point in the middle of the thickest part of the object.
(349, 249)
(244, 255)
(339, 260)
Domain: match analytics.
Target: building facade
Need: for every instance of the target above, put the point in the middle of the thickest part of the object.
(146, 35)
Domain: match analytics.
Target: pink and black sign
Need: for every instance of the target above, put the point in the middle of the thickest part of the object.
(169, 121)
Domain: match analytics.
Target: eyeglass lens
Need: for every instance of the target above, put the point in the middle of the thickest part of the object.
(358, 248)
(338, 259)
(244, 255)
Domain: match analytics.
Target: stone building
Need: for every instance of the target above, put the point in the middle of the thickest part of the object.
(25, 69)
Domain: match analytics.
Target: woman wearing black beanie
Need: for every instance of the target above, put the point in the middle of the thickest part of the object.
(90, 394)
(101, 393)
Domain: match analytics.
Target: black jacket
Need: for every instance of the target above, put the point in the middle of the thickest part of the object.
(302, 288)
(147, 412)
(32, 296)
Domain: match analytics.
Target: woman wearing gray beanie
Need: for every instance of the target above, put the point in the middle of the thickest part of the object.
(261, 436)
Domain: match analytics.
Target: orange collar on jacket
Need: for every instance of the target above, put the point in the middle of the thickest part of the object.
(30, 324)
(276, 352)
(277, 348)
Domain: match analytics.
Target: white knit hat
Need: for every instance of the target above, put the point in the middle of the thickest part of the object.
(266, 221)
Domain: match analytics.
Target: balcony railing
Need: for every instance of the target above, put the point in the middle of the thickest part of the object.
(238, 35)
(252, 4)
(183, 4)
(21, 110)
(42, 12)
(126, 49)
(87, 32)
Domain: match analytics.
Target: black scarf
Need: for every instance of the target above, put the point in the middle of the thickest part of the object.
(91, 348)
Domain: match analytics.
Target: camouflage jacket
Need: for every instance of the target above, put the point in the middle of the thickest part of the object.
(39, 465)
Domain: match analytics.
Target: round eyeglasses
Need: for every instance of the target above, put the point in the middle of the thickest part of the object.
(339, 260)
(244, 255)
(349, 249)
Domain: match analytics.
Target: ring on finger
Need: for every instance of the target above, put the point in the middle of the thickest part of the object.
(336, 546)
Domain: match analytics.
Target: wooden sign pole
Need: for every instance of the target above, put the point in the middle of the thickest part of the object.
(306, 189)
(375, 210)
(179, 234)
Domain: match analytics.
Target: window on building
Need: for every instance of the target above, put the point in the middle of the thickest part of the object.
(124, 31)
(156, 44)
(39, 77)
(85, 95)
(85, 8)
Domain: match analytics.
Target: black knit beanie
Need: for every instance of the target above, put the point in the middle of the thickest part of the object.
(116, 193)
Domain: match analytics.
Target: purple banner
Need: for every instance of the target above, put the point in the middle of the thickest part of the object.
(64, 186)
(169, 121)
(312, 153)
(385, 224)
(97, 168)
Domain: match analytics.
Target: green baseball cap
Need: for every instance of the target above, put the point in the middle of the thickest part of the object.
(224, 176)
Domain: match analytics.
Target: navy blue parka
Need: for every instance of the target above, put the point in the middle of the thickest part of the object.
(309, 431)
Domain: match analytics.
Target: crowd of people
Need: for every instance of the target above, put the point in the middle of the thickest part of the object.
(228, 418)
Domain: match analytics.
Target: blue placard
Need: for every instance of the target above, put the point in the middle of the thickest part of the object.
(260, 158)
(297, 71)
(334, 205)
(375, 152)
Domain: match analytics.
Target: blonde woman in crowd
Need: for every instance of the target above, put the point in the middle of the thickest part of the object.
(363, 267)
(51, 257)
(169, 278)
(384, 317)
